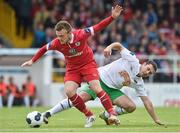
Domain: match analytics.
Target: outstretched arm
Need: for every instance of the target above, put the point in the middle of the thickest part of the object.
(40, 53)
(150, 109)
(113, 46)
(116, 11)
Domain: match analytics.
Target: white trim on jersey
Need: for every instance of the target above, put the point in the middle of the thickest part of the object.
(48, 45)
(72, 38)
(92, 30)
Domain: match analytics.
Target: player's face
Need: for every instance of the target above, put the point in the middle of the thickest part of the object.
(63, 36)
(147, 70)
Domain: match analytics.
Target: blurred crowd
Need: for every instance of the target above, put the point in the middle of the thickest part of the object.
(146, 27)
(11, 94)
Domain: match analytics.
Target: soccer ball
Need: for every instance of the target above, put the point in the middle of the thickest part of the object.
(34, 119)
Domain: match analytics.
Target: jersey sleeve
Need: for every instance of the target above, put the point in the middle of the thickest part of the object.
(52, 45)
(49, 46)
(85, 33)
(140, 89)
(128, 55)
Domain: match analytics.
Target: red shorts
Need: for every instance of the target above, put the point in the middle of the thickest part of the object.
(86, 73)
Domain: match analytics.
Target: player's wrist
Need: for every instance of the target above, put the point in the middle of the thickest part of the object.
(113, 17)
(32, 61)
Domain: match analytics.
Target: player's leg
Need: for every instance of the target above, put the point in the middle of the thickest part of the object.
(72, 81)
(90, 74)
(10, 100)
(26, 100)
(77, 101)
(65, 104)
(105, 101)
(124, 104)
(1, 101)
(113, 93)
(61, 106)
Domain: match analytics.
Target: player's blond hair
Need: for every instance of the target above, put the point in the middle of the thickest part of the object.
(63, 25)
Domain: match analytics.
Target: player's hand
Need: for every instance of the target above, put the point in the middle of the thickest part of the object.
(27, 63)
(116, 11)
(160, 123)
(107, 52)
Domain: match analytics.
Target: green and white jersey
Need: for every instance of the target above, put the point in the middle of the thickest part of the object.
(110, 74)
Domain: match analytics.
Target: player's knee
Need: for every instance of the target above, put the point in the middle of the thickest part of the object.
(70, 92)
(131, 107)
(96, 89)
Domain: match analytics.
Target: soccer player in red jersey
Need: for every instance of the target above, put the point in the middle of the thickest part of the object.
(80, 64)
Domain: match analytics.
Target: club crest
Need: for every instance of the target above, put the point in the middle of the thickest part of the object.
(77, 43)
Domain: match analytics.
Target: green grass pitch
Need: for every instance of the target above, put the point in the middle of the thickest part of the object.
(13, 120)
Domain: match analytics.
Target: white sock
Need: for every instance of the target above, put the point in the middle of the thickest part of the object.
(27, 101)
(106, 114)
(1, 102)
(63, 105)
(10, 101)
(118, 110)
(35, 102)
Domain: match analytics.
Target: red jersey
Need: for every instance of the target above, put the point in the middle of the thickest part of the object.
(77, 53)
(29, 88)
(3, 89)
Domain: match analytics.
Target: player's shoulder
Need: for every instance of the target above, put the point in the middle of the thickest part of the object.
(55, 41)
(52, 44)
(78, 34)
(77, 31)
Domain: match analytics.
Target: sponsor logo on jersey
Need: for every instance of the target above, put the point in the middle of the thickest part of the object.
(78, 43)
(77, 54)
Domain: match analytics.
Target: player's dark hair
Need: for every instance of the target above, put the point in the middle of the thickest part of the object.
(63, 25)
(153, 64)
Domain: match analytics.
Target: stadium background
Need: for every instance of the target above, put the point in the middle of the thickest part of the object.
(149, 28)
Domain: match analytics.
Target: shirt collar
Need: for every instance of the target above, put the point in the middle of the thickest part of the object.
(137, 73)
(72, 38)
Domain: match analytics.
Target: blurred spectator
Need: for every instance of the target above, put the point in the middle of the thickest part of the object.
(29, 90)
(15, 95)
(40, 15)
(24, 17)
(3, 92)
(148, 27)
(178, 71)
(51, 20)
(1, 43)
(151, 14)
(50, 34)
(39, 36)
(141, 17)
(99, 55)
